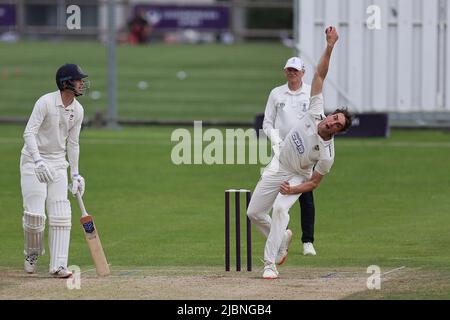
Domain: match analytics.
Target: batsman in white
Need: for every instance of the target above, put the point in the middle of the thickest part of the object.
(52, 132)
(305, 156)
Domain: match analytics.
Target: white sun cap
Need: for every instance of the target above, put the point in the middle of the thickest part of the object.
(296, 63)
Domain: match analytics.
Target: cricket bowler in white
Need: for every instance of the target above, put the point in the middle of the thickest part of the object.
(52, 132)
(284, 105)
(309, 144)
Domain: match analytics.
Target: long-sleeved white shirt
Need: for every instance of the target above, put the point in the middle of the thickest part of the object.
(303, 149)
(282, 110)
(51, 128)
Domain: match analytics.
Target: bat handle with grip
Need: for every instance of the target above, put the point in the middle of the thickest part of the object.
(81, 204)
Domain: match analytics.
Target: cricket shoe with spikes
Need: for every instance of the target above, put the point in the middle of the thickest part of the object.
(30, 263)
(61, 272)
(270, 271)
(284, 247)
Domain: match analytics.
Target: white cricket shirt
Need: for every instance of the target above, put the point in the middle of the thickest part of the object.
(51, 127)
(303, 148)
(282, 110)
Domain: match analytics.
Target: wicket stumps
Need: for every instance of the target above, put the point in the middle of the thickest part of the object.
(237, 204)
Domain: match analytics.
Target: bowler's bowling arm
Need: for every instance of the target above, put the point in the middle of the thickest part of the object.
(322, 67)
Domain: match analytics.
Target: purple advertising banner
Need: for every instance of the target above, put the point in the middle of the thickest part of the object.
(363, 125)
(186, 17)
(7, 15)
(368, 125)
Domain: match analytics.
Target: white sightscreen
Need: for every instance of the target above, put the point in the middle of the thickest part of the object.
(400, 65)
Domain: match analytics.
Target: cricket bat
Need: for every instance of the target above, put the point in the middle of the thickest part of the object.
(93, 240)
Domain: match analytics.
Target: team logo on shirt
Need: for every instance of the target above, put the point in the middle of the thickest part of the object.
(304, 107)
(316, 147)
(298, 143)
(71, 116)
(281, 105)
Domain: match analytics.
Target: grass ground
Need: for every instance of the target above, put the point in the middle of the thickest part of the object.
(223, 82)
(385, 203)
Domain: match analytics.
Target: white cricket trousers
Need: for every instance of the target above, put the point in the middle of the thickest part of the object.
(267, 196)
(39, 199)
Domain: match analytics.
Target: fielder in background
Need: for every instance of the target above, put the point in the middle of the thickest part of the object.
(305, 156)
(284, 105)
(54, 124)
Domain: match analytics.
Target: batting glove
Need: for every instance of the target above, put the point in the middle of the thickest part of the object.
(42, 171)
(78, 184)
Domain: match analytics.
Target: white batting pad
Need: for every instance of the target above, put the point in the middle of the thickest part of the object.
(33, 228)
(59, 221)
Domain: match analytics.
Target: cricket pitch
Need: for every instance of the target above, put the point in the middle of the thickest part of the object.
(190, 283)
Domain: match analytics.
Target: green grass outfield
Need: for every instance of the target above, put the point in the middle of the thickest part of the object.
(223, 82)
(385, 203)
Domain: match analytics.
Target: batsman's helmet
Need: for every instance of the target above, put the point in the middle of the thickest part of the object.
(66, 74)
